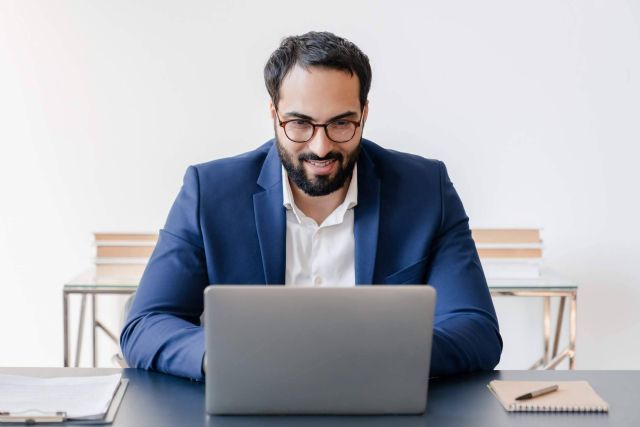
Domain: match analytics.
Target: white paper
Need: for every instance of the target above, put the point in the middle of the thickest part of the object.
(80, 397)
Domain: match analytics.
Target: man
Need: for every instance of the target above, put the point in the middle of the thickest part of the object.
(316, 206)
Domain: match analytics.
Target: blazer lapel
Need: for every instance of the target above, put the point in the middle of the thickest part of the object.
(367, 218)
(270, 219)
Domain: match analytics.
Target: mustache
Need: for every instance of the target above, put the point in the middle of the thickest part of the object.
(330, 156)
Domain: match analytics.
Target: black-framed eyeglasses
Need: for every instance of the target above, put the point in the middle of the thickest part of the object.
(301, 130)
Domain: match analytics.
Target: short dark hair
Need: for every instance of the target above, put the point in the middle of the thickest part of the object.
(321, 49)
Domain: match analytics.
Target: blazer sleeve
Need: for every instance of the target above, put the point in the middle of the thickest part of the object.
(162, 331)
(466, 336)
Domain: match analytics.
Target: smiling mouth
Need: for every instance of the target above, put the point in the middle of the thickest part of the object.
(320, 164)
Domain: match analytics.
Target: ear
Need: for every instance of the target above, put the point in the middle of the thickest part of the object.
(272, 110)
(365, 112)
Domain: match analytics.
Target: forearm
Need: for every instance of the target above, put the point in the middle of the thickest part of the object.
(465, 342)
(164, 343)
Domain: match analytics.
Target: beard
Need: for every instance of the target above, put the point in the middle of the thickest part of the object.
(319, 185)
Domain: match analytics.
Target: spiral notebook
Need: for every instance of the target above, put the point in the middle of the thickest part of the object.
(571, 396)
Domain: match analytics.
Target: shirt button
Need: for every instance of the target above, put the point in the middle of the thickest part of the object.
(318, 280)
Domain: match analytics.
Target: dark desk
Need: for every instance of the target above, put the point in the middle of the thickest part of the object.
(161, 400)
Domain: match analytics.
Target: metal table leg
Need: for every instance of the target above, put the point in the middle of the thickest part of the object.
(572, 330)
(570, 351)
(559, 319)
(547, 329)
(85, 291)
(94, 344)
(108, 333)
(83, 306)
(65, 328)
(552, 356)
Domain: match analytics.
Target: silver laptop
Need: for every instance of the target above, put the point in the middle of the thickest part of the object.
(282, 350)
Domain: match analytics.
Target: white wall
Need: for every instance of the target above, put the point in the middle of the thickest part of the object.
(534, 106)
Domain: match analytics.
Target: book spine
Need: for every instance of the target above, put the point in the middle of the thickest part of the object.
(510, 253)
(124, 251)
(509, 246)
(134, 261)
(144, 243)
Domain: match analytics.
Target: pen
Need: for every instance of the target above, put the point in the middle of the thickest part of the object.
(540, 392)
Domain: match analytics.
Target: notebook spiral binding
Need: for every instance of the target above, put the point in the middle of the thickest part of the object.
(550, 408)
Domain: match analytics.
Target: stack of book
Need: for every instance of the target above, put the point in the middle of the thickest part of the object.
(123, 254)
(509, 253)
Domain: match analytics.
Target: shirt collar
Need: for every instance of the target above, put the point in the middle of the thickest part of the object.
(350, 200)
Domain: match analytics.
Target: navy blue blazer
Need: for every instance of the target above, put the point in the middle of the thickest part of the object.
(227, 226)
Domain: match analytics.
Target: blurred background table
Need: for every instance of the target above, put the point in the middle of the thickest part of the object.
(89, 286)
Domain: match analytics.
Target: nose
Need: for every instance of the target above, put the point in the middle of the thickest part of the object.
(320, 145)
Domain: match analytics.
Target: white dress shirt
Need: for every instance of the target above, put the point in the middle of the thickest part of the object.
(320, 255)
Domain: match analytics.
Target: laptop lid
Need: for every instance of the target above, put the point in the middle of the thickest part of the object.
(281, 350)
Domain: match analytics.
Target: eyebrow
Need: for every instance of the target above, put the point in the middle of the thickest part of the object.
(305, 117)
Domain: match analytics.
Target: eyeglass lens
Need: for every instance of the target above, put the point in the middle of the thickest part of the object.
(302, 130)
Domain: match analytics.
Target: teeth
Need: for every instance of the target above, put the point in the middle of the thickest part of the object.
(320, 164)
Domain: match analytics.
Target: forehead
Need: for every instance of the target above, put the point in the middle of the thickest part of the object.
(319, 92)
